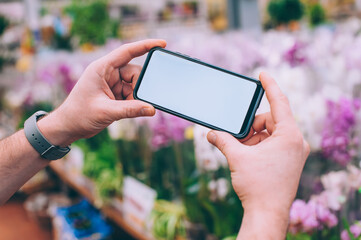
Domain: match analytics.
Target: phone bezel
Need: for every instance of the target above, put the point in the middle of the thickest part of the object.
(257, 97)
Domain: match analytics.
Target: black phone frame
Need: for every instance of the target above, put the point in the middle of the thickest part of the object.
(257, 97)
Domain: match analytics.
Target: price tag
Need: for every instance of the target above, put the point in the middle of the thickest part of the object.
(138, 200)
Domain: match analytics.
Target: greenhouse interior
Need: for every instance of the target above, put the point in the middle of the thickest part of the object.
(132, 176)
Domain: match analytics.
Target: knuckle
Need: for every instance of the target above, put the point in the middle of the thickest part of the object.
(126, 45)
(100, 66)
(93, 65)
(297, 138)
(130, 112)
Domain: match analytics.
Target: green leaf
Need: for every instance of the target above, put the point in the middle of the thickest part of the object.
(347, 227)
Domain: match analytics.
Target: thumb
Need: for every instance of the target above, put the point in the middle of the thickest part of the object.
(120, 109)
(225, 142)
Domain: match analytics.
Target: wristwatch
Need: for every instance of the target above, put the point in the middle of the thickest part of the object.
(39, 142)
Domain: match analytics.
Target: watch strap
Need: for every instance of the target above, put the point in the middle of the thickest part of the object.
(39, 142)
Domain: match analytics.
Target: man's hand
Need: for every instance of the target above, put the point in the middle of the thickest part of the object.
(266, 167)
(100, 97)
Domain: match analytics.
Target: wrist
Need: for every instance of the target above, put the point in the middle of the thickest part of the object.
(264, 223)
(55, 131)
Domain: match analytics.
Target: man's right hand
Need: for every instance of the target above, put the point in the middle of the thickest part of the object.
(266, 168)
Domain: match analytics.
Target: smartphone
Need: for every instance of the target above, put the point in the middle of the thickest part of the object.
(199, 92)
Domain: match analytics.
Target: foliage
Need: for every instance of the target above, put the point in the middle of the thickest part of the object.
(317, 14)
(230, 238)
(285, 11)
(62, 42)
(29, 110)
(4, 23)
(168, 220)
(221, 217)
(163, 169)
(2, 62)
(91, 22)
(102, 164)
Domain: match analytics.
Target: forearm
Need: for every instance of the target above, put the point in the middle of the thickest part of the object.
(264, 225)
(18, 163)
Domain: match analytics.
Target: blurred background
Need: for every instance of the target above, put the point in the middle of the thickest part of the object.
(159, 178)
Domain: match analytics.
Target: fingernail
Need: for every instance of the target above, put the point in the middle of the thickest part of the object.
(212, 137)
(146, 111)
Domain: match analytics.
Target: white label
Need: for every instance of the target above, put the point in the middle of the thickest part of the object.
(138, 200)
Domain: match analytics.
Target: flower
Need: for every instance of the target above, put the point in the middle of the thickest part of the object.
(311, 216)
(335, 181)
(354, 177)
(295, 56)
(302, 218)
(332, 199)
(124, 129)
(218, 188)
(208, 157)
(165, 129)
(355, 229)
(338, 141)
(336, 189)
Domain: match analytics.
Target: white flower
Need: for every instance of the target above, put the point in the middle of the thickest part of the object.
(124, 129)
(218, 188)
(208, 157)
(222, 188)
(75, 161)
(335, 181)
(330, 199)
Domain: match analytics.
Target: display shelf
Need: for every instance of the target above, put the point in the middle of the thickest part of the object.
(110, 212)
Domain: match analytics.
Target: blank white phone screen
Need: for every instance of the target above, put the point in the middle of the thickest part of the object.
(197, 91)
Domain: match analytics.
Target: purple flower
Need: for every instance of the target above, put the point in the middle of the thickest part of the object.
(240, 53)
(68, 82)
(309, 217)
(57, 73)
(302, 217)
(166, 128)
(47, 75)
(338, 142)
(354, 229)
(294, 56)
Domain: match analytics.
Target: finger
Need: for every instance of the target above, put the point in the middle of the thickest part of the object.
(129, 109)
(262, 122)
(117, 90)
(249, 135)
(257, 138)
(127, 91)
(225, 142)
(125, 53)
(130, 73)
(280, 107)
(122, 91)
